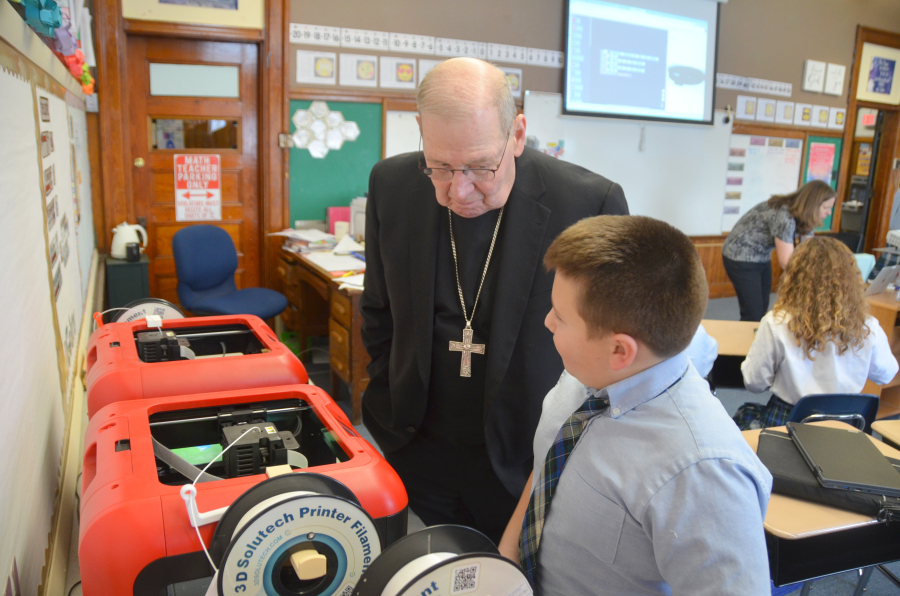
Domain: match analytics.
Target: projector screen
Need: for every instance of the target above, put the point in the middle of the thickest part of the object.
(646, 59)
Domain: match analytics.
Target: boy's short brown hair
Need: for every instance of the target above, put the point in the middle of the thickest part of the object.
(639, 276)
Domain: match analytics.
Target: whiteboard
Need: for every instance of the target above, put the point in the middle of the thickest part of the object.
(401, 133)
(673, 172)
(759, 167)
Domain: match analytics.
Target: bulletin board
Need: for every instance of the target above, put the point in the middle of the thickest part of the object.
(341, 175)
(31, 394)
(823, 162)
(43, 172)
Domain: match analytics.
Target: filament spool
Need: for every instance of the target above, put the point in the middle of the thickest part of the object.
(281, 529)
(443, 560)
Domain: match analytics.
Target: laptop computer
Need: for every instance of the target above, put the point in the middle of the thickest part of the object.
(885, 277)
(845, 459)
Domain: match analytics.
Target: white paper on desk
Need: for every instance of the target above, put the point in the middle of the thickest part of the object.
(353, 282)
(306, 235)
(332, 262)
(347, 245)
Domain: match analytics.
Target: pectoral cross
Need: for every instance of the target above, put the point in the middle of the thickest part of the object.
(467, 348)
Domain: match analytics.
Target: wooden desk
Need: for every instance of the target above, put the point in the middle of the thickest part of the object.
(734, 337)
(317, 308)
(889, 430)
(808, 540)
(885, 307)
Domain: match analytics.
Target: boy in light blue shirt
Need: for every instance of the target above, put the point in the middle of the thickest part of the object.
(641, 482)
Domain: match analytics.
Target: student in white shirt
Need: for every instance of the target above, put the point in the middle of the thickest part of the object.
(818, 337)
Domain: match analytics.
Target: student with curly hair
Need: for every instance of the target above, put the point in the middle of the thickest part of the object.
(773, 224)
(818, 337)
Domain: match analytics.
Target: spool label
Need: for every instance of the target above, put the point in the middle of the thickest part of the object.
(334, 526)
(476, 575)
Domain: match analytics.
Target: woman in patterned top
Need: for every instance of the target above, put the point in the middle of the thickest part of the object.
(818, 337)
(774, 224)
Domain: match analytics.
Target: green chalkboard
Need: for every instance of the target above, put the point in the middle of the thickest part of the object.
(826, 162)
(341, 175)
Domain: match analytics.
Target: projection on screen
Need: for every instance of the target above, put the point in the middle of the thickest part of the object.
(646, 59)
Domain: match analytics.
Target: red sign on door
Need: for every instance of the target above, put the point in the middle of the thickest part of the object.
(198, 188)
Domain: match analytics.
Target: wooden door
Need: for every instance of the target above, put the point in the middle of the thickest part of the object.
(224, 126)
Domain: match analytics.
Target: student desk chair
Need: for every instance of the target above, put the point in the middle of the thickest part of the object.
(889, 431)
(807, 540)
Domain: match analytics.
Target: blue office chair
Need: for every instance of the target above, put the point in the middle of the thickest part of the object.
(858, 409)
(205, 262)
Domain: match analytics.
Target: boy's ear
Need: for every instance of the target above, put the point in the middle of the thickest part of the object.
(625, 349)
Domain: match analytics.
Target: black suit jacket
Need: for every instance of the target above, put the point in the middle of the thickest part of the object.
(398, 302)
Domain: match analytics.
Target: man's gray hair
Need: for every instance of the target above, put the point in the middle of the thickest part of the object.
(455, 88)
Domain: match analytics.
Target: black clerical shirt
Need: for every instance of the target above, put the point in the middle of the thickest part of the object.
(455, 410)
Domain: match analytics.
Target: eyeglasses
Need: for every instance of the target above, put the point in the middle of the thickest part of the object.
(474, 174)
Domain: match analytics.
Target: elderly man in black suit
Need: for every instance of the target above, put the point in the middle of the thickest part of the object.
(456, 295)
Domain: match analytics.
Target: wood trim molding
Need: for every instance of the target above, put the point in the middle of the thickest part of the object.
(786, 131)
(880, 207)
(111, 62)
(274, 117)
(349, 95)
(191, 31)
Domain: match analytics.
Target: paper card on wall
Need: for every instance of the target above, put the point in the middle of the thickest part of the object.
(398, 73)
(834, 79)
(514, 76)
(459, 48)
(821, 162)
(802, 114)
(365, 39)
(765, 110)
(836, 118)
(417, 44)
(814, 76)
(425, 65)
(314, 35)
(359, 70)
(198, 188)
(746, 108)
(504, 53)
(784, 114)
(318, 68)
(820, 116)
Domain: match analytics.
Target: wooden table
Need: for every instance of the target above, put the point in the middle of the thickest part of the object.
(889, 430)
(316, 307)
(807, 540)
(885, 307)
(734, 337)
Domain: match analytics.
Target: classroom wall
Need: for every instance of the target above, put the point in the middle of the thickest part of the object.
(765, 39)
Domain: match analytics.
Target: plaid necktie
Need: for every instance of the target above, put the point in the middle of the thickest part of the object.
(539, 505)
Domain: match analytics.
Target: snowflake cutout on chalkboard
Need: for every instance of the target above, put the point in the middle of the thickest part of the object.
(319, 130)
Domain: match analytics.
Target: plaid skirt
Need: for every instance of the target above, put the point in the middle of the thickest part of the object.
(752, 415)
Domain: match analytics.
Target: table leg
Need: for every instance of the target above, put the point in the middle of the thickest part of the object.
(864, 576)
(807, 586)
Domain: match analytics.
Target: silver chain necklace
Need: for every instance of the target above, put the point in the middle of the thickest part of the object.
(466, 346)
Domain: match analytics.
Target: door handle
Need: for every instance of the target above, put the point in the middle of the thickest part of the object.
(139, 162)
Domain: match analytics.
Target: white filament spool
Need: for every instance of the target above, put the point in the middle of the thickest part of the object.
(443, 560)
(272, 530)
(412, 569)
(476, 574)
